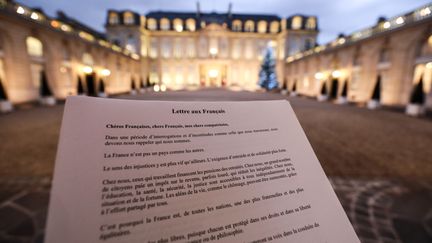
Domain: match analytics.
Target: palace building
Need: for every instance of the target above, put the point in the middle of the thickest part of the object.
(176, 49)
(187, 50)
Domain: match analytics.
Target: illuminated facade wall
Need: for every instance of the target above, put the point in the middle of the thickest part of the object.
(399, 50)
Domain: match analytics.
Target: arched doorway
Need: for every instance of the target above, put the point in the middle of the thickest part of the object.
(334, 89)
(91, 84)
(90, 75)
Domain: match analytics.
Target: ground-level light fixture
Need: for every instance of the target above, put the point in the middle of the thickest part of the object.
(429, 65)
(106, 72)
(336, 74)
(319, 75)
(156, 88)
(87, 69)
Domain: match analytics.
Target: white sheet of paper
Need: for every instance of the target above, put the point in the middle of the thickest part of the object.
(155, 171)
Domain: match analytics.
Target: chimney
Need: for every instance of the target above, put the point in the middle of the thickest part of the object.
(229, 10)
(198, 13)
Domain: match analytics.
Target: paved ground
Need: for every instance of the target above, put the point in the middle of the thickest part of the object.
(379, 163)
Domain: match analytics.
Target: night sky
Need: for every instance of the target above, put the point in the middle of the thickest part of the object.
(334, 17)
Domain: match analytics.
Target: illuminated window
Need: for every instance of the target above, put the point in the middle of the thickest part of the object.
(128, 18)
(262, 26)
(249, 26)
(144, 46)
(223, 47)
(203, 46)
(113, 18)
(131, 44)
(151, 24)
(190, 47)
(311, 23)
(153, 48)
(190, 24)
(249, 50)
(236, 50)
(237, 25)
(274, 27)
(178, 25)
(296, 23)
(213, 47)
(309, 43)
(164, 24)
(34, 47)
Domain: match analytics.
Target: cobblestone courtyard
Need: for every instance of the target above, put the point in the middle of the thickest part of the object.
(379, 163)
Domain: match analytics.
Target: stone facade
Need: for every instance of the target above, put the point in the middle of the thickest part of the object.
(397, 50)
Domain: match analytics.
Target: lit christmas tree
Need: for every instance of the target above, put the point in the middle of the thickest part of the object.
(267, 74)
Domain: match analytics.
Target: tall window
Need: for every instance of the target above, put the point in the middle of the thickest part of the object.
(178, 25)
(178, 48)
(144, 46)
(274, 27)
(151, 24)
(35, 52)
(249, 26)
(164, 24)
(128, 18)
(223, 47)
(296, 23)
(191, 48)
(87, 59)
(213, 47)
(311, 23)
(357, 58)
(166, 48)
(34, 47)
(249, 50)
(236, 50)
(65, 51)
(113, 18)
(262, 26)
(236, 25)
(191, 24)
(153, 48)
